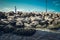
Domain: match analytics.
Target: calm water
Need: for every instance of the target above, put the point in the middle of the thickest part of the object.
(39, 35)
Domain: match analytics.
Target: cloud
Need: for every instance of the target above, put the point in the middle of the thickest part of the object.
(28, 10)
(56, 3)
(51, 10)
(6, 9)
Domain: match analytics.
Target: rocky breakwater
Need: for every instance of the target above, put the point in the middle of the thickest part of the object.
(24, 23)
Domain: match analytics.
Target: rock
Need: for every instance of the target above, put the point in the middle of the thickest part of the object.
(24, 32)
(26, 20)
(8, 28)
(12, 22)
(34, 23)
(27, 25)
(38, 26)
(19, 24)
(1, 27)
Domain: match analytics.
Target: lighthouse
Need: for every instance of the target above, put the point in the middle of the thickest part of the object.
(15, 9)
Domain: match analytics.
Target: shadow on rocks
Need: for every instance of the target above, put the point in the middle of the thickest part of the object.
(23, 32)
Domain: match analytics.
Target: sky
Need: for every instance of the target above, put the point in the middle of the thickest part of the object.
(30, 5)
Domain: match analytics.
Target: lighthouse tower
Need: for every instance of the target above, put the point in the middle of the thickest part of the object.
(15, 9)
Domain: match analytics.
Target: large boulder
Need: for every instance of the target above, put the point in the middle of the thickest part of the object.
(38, 18)
(26, 20)
(19, 24)
(43, 23)
(23, 15)
(38, 26)
(2, 15)
(12, 22)
(34, 23)
(27, 25)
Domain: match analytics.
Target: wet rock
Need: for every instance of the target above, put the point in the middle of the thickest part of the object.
(24, 32)
(8, 29)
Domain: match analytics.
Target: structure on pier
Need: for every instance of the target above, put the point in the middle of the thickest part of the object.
(15, 9)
